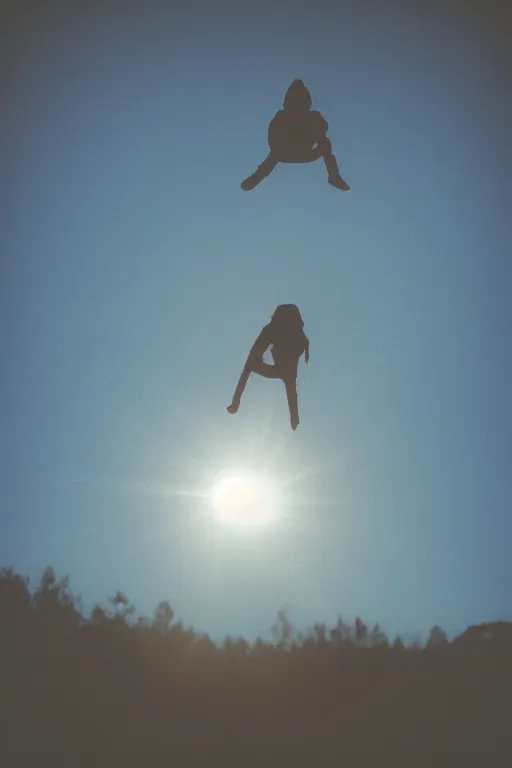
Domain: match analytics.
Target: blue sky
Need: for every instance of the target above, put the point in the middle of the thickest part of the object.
(137, 275)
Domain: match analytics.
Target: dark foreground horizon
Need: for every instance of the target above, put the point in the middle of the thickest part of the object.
(112, 685)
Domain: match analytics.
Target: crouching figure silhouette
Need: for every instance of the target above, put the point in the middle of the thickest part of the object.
(286, 337)
(297, 134)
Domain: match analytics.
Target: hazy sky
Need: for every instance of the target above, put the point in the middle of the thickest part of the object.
(136, 275)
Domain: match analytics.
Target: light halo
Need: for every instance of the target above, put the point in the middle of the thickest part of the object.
(244, 498)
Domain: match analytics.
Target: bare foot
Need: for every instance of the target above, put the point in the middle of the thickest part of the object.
(249, 184)
(338, 182)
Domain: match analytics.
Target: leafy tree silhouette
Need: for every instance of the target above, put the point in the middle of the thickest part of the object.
(437, 638)
(164, 615)
(112, 685)
(282, 630)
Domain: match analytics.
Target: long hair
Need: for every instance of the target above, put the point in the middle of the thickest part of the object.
(287, 316)
(297, 98)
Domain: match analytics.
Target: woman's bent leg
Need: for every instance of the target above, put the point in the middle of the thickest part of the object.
(262, 368)
(253, 365)
(242, 383)
(293, 405)
(331, 165)
(261, 172)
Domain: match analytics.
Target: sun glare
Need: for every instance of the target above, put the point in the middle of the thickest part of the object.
(245, 480)
(244, 500)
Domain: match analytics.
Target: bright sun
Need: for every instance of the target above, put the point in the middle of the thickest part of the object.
(244, 500)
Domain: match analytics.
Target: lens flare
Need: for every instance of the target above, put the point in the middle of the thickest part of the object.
(244, 500)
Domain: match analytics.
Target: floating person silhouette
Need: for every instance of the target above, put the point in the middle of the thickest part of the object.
(285, 335)
(297, 134)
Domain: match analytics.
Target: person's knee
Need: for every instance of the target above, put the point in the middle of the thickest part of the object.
(325, 146)
(276, 138)
(277, 146)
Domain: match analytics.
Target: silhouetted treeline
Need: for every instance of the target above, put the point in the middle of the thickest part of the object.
(111, 685)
